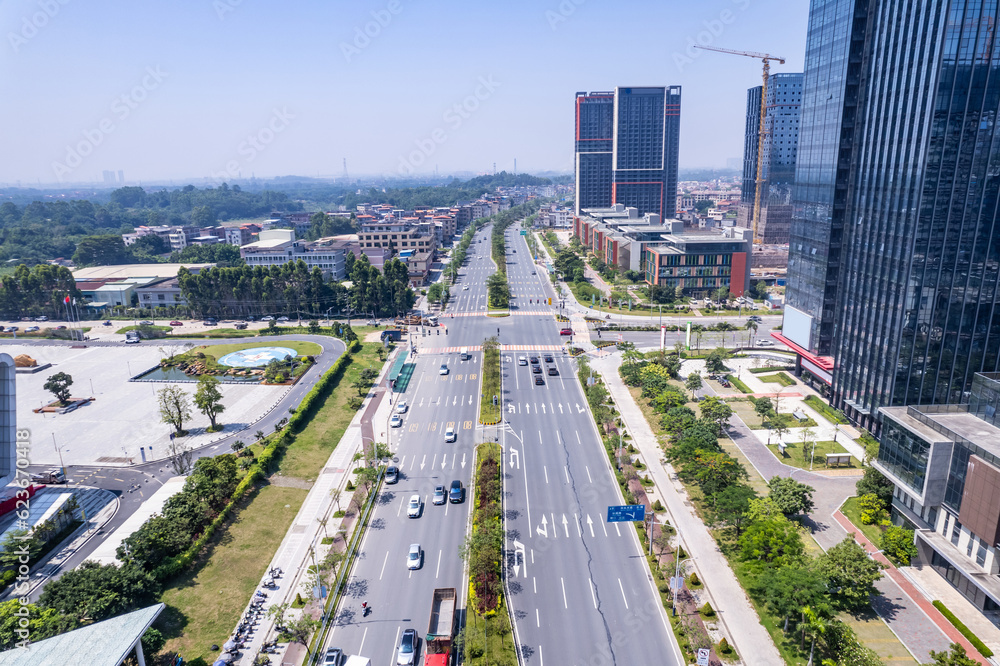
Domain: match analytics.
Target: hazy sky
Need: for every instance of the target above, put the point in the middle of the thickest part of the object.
(199, 88)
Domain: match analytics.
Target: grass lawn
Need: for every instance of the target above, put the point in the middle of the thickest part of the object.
(826, 411)
(737, 384)
(162, 329)
(205, 604)
(305, 457)
(874, 633)
(496, 632)
(301, 348)
(851, 509)
(794, 457)
(778, 377)
(220, 333)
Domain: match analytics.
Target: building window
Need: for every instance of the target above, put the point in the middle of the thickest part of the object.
(947, 519)
(956, 532)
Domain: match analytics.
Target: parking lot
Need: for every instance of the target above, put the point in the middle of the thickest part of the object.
(124, 415)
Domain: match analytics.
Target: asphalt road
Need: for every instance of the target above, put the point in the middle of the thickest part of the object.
(134, 484)
(579, 587)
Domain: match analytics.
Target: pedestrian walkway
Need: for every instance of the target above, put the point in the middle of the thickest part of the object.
(727, 596)
(919, 643)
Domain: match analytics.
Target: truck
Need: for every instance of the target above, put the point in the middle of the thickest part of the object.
(408, 320)
(357, 660)
(430, 321)
(441, 627)
(52, 476)
(464, 354)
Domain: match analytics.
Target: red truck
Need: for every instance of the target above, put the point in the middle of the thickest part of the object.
(440, 629)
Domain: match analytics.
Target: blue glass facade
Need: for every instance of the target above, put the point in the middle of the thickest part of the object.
(647, 138)
(918, 290)
(595, 118)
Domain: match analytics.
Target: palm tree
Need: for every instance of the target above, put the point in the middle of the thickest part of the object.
(751, 326)
(259, 435)
(237, 446)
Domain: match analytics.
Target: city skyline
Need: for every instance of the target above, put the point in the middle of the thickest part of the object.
(229, 90)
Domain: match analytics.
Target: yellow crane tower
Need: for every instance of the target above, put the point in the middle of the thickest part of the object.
(761, 131)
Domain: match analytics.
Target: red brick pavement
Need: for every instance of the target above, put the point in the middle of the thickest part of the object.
(913, 593)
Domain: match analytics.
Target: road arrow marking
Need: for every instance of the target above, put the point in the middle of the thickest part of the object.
(519, 551)
(423, 462)
(543, 529)
(444, 460)
(560, 408)
(463, 461)
(515, 459)
(543, 408)
(590, 524)
(579, 409)
(510, 408)
(566, 525)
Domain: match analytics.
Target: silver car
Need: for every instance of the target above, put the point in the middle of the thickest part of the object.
(415, 557)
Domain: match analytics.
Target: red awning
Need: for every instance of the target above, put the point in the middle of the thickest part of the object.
(825, 362)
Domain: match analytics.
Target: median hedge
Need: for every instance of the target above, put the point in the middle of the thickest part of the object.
(964, 630)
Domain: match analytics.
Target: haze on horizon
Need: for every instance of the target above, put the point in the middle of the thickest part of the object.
(229, 89)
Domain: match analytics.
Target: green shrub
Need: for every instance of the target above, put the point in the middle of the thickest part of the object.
(693, 580)
(872, 509)
(897, 544)
(707, 610)
(964, 630)
(725, 647)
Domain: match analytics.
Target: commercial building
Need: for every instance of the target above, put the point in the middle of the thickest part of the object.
(278, 246)
(164, 292)
(699, 264)
(626, 149)
(945, 463)
(779, 149)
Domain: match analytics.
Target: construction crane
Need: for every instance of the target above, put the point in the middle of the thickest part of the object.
(761, 130)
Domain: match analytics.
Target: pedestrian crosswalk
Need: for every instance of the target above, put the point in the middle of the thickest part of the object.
(506, 348)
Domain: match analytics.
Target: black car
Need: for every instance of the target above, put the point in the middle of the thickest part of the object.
(552, 370)
(456, 494)
(539, 380)
(534, 360)
(537, 369)
(548, 358)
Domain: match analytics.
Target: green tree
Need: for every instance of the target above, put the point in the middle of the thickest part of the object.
(874, 483)
(434, 292)
(763, 508)
(669, 399)
(873, 509)
(175, 407)
(715, 362)
(763, 407)
(208, 398)
(678, 419)
(693, 384)
(956, 657)
(101, 250)
(39, 623)
(787, 589)
(776, 541)
(58, 385)
(790, 496)
(779, 424)
(897, 544)
(717, 471)
(731, 506)
(15, 545)
(497, 290)
(850, 573)
(721, 295)
(94, 592)
(715, 410)
(751, 326)
(313, 326)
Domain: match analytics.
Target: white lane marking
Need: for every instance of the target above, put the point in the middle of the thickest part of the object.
(437, 572)
(618, 530)
(545, 471)
(593, 593)
(591, 480)
(382, 572)
(566, 473)
(622, 588)
(562, 582)
(537, 619)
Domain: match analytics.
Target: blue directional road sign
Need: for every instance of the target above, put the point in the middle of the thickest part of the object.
(524, 232)
(626, 513)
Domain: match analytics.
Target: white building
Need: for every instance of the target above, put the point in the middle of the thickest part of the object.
(278, 246)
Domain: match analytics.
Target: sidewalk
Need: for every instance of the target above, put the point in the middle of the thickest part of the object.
(925, 642)
(728, 598)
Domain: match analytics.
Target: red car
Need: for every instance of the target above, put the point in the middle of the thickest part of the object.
(566, 331)
(176, 323)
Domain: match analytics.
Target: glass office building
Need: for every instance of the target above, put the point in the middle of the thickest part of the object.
(595, 117)
(918, 313)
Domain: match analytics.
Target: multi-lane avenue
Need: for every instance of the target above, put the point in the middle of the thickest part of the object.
(579, 588)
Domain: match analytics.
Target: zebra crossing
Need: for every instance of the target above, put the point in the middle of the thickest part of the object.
(503, 348)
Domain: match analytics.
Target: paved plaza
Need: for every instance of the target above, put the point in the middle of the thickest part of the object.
(124, 415)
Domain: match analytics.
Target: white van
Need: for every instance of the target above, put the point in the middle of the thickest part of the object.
(464, 353)
(355, 660)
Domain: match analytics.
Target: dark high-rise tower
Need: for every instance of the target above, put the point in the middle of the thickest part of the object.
(781, 139)
(595, 116)
(626, 149)
(896, 236)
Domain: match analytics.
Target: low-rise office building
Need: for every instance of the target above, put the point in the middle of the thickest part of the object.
(944, 461)
(699, 264)
(278, 246)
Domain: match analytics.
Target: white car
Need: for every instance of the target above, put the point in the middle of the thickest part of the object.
(765, 343)
(282, 318)
(465, 288)
(267, 318)
(522, 360)
(415, 557)
(449, 434)
(401, 407)
(396, 421)
(443, 370)
(413, 508)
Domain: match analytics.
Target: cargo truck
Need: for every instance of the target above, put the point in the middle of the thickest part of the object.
(441, 627)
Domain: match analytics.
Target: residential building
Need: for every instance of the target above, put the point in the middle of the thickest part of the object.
(278, 246)
(944, 461)
(699, 264)
(779, 149)
(395, 235)
(628, 139)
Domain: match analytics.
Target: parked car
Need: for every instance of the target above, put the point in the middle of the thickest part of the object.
(241, 326)
(536, 369)
(10, 329)
(396, 421)
(401, 407)
(31, 329)
(282, 318)
(566, 331)
(249, 318)
(391, 474)
(146, 322)
(521, 360)
(449, 434)
(765, 343)
(548, 358)
(267, 318)
(439, 495)
(58, 328)
(534, 360)
(415, 557)
(539, 380)
(456, 493)
(209, 322)
(553, 370)
(42, 318)
(413, 508)
(176, 323)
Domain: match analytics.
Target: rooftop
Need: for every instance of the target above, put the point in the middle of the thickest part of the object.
(105, 643)
(134, 271)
